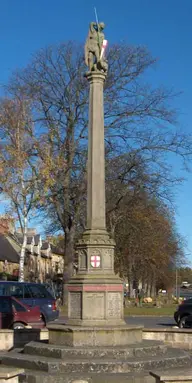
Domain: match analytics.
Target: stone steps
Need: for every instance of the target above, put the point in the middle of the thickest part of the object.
(43, 377)
(148, 348)
(172, 358)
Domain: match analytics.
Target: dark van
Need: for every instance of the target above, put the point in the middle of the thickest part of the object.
(32, 294)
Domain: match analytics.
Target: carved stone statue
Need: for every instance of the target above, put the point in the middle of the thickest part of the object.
(95, 47)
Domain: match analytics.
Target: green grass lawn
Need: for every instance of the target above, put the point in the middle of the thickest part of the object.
(167, 310)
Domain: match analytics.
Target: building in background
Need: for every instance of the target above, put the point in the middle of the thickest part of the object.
(44, 262)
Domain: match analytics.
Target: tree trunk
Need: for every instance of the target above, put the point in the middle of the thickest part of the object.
(148, 289)
(130, 282)
(68, 262)
(22, 254)
(153, 285)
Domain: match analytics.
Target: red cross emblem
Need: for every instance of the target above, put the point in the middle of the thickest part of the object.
(95, 260)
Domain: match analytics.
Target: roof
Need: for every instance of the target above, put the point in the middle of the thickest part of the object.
(8, 250)
(45, 245)
(37, 238)
(29, 240)
(30, 231)
(20, 239)
(57, 250)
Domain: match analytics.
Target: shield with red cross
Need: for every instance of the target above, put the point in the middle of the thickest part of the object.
(95, 260)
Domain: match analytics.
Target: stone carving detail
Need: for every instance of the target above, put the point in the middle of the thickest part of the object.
(96, 240)
(95, 48)
(107, 258)
(95, 261)
(108, 252)
(95, 252)
(95, 258)
(114, 305)
(82, 259)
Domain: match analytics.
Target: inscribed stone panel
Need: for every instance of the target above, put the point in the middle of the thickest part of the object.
(94, 306)
(114, 305)
(75, 305)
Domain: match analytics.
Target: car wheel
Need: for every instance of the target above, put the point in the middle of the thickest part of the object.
(44, 320)
(18, 326)
(182, 322)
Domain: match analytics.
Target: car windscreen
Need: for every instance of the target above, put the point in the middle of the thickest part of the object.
(187, 301)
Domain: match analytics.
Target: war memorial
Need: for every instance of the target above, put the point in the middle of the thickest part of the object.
(95, 344)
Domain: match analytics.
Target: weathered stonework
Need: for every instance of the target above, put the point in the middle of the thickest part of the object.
(102, 247)
(99, 303)
(96, 293)
(78, 336)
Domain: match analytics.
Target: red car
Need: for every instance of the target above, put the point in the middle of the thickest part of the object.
(17, 315)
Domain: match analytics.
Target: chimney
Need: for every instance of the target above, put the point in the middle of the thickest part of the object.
(49, 239)
(30, 231)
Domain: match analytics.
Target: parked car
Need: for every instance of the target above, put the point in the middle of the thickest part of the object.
(188, 322)
(16, 315)
(184, 310)
(32, 294)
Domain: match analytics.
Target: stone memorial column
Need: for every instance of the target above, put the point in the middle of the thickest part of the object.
(96, 293)
(96, 155)
(95, 305)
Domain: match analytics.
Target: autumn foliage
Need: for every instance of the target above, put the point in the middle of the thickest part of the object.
(148, 247)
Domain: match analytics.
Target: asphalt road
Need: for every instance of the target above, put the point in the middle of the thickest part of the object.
(150, 322)
(146, 321)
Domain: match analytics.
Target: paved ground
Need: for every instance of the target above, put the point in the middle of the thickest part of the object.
(151, 321)
(146, 321)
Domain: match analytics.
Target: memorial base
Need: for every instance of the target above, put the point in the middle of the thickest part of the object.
(95, 300)
(96, 294)
(73, 336)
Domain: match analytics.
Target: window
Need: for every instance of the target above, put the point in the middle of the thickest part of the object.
(39, 291)
(188, 300)
(2, 289)
(5, 305)
(18, 307)
(27, 293)
(16, 291)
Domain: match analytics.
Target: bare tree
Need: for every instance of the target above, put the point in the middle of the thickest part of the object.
(139, 124)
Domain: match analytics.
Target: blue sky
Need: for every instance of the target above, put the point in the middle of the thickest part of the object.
(164, 26)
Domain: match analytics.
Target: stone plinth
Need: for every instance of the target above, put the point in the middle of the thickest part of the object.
(10, 375)
(175, 337)
(173, 376)
(94, 336)
(6, 339)
(95, 301)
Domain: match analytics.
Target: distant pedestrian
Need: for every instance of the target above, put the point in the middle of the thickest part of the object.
(140, 297)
